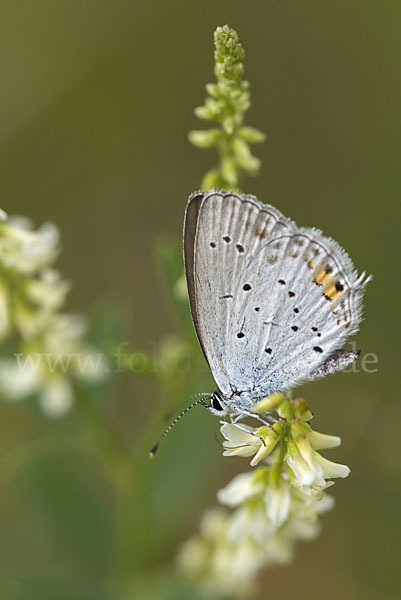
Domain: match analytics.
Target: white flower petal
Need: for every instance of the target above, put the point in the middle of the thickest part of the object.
(193, 556)
(249, 521)
(301, 528)
(239, 451)
(322, 441)
(278, 503)
(306, 451)
(18, 379)
(304, 474)
(332, 469)
(265, 449)
(49, 291)
(57, 397)
(278, 549)
(213, 523)
(25, 250)
(90, 365)
(238, 436)
(26, 320)
(245, 560)
(241, 488)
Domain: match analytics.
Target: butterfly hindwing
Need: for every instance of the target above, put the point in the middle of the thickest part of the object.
(270, 302)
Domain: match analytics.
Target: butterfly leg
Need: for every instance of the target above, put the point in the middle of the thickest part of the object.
(258, 418)
(245, 430)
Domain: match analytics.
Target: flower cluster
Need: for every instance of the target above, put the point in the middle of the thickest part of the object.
(49, 351)
(227, 102)
(274, 505)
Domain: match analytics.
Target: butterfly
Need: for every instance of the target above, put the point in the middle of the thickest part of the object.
(272, 303)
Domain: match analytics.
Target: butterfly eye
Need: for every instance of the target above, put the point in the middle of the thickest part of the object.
(216, 403)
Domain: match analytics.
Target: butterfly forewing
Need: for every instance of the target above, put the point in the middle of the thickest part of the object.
(270, 301)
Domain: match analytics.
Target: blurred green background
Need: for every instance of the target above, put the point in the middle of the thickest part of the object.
(97, 100)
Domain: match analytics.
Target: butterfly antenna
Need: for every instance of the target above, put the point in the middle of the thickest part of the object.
(170, 413)
(169, 428)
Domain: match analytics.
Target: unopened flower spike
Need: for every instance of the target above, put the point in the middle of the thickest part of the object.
(226, 104)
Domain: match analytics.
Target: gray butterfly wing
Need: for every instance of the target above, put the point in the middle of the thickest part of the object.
(271, 302)
(217, 233)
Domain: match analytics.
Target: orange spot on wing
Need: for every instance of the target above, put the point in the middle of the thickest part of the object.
(331, 292)
(322, 277)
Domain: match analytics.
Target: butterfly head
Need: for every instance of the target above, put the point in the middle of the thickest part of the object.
(218, 404)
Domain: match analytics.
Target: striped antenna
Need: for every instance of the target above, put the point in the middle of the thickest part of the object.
(178, 406)
(169, 428)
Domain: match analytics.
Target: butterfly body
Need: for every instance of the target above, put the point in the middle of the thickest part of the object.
(271, 303)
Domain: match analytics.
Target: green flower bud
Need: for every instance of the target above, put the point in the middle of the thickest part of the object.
(285, 410)
(270, 438)
(213, 90)
(205, 139)
(251, 135)
(268, 404)
(229, 171)
(207, 112)
(211, 180)
(249, 164)
(229, 125)
(241, 148)
(297, 431)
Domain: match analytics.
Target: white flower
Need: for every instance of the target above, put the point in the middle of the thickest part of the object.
(274, 505)
(19, 379)
(245, 560)
(50, 365)
(57, 396)
(238, 442)
(278, 549)
(27, 321)
(308, 467)
(24, 250)
(17, 382)
(322, 441)
(213, 523)
(241, 488)
(278, 502)
(193, 555)
(303, 521)
(249, 521)
(259, 442)
(54, 354)
(48, 291)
